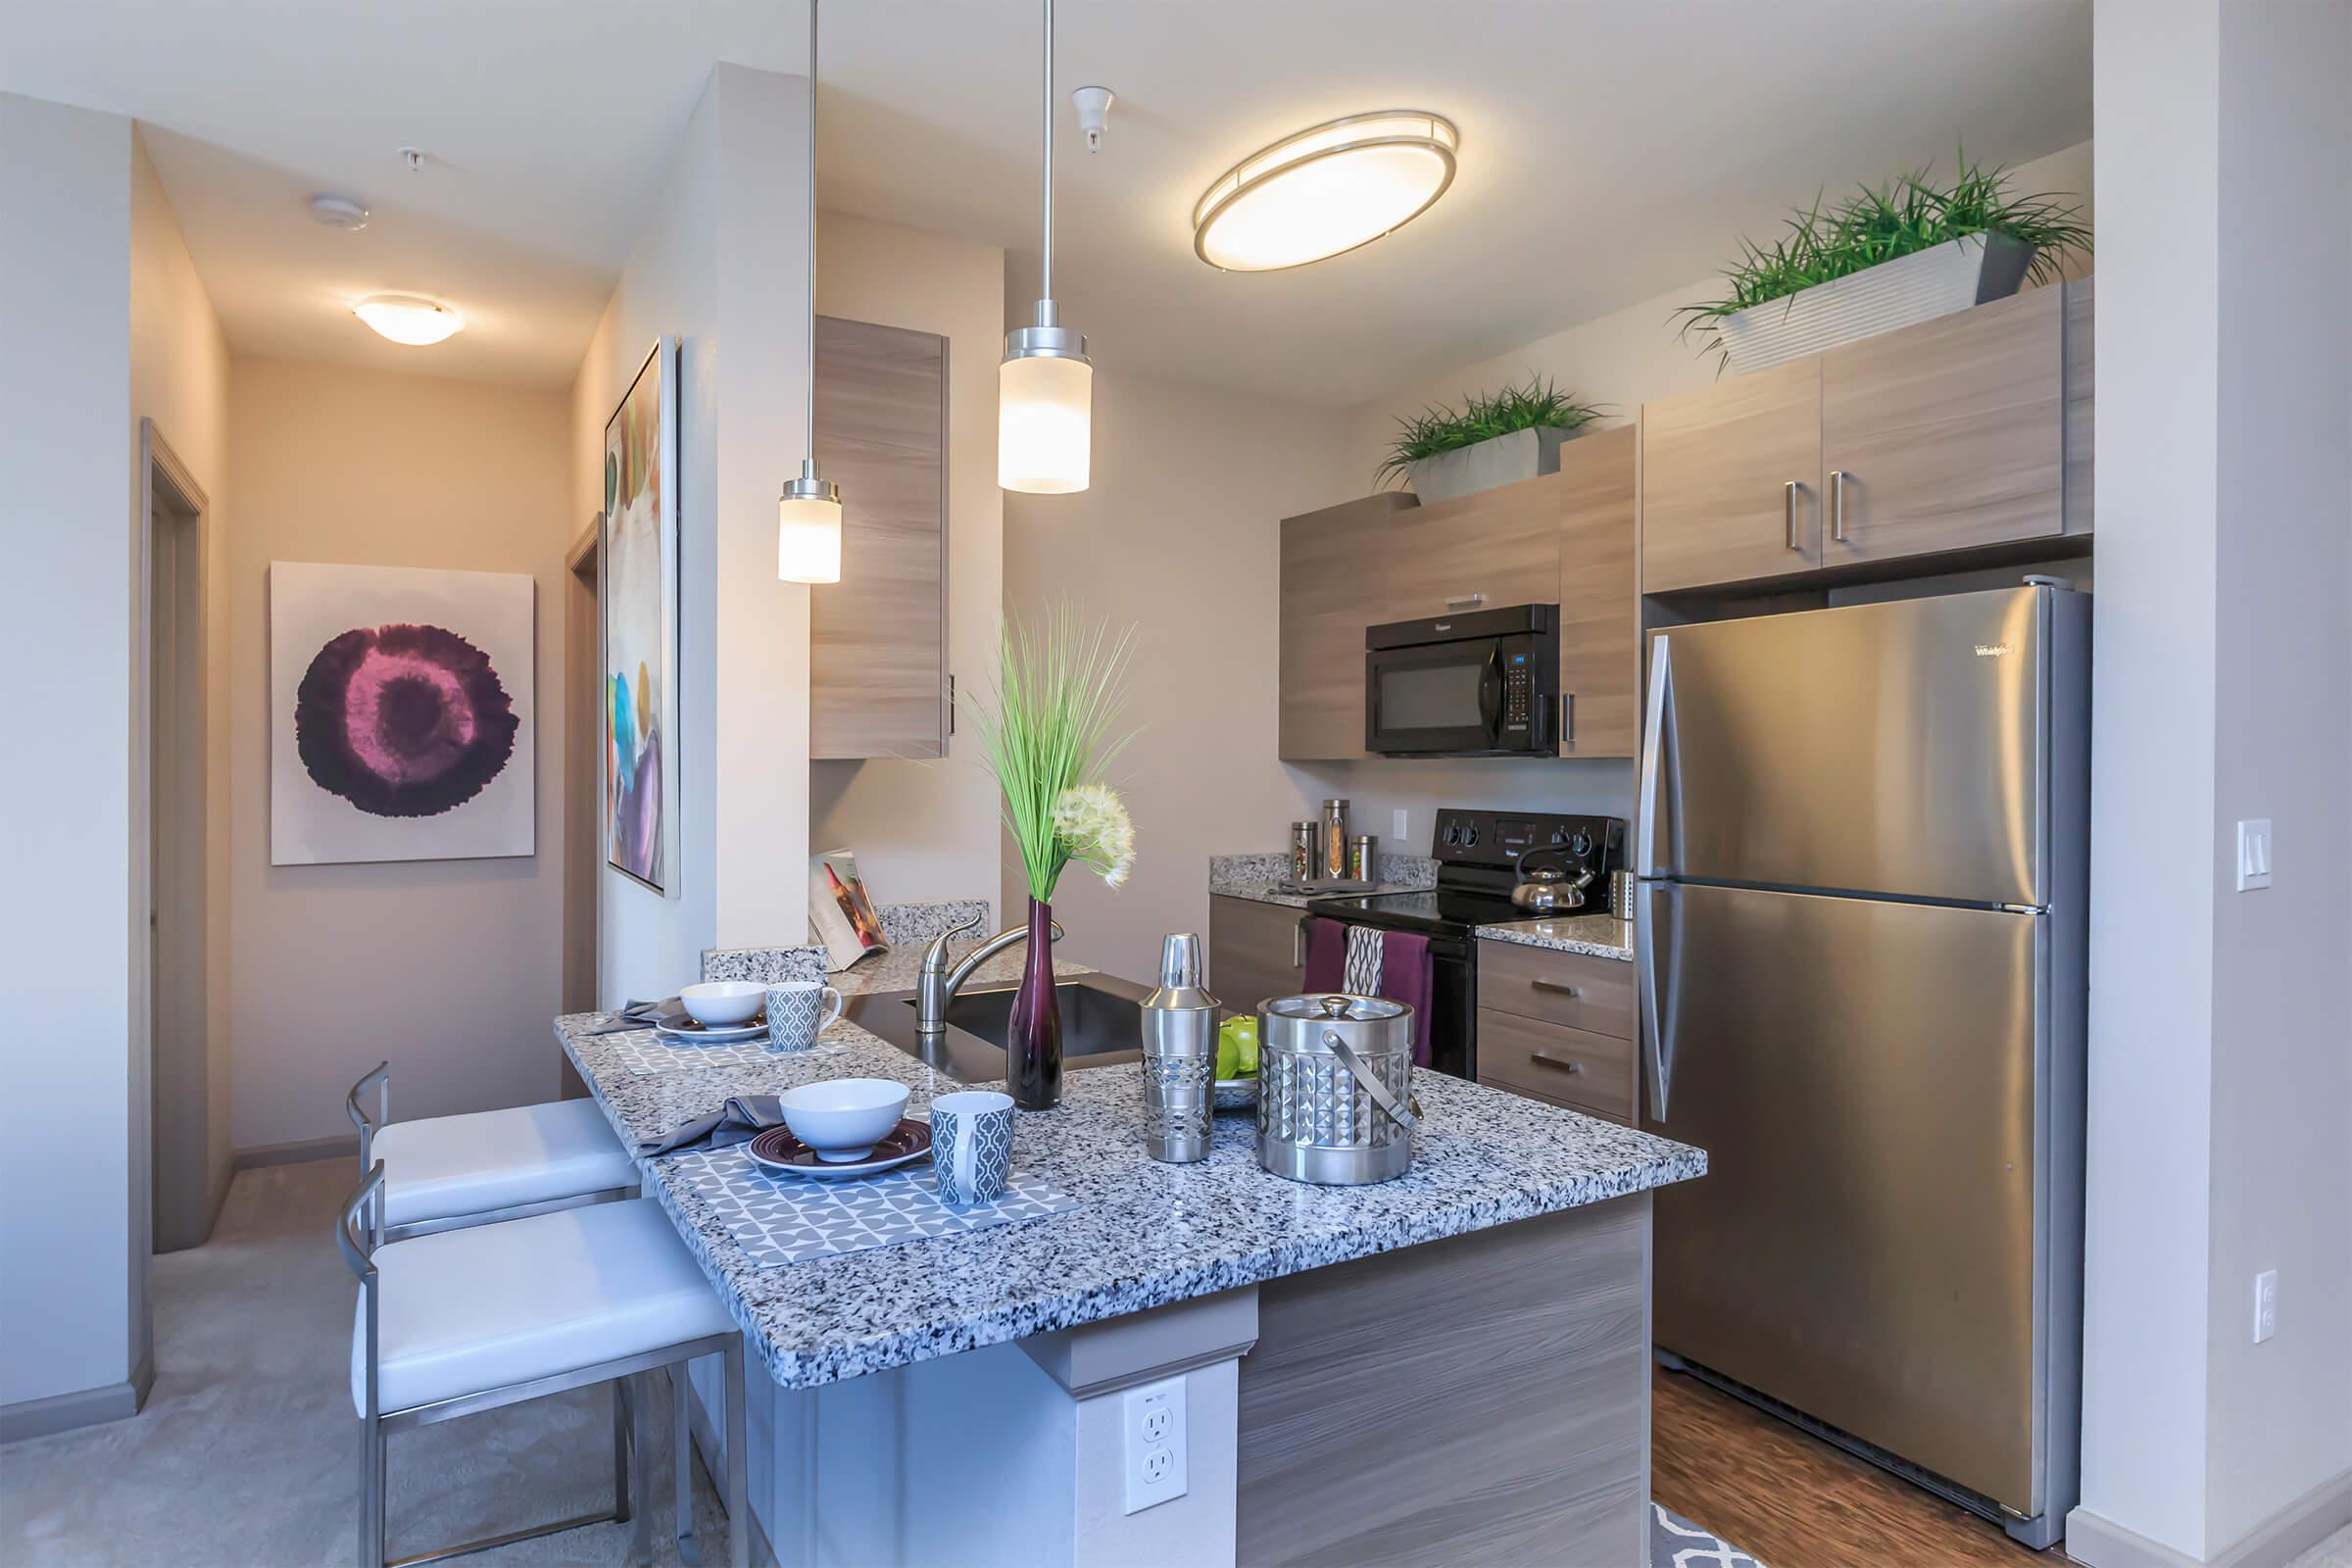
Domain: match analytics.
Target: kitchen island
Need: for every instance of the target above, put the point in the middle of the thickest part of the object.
(1456, 1360)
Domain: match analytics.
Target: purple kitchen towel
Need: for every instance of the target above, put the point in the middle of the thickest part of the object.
(1406, 976)
(1326, 956)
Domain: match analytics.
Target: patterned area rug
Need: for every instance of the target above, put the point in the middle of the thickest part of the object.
(1676, 1542)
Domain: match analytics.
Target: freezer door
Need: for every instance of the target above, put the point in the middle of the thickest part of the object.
(1863, 1076)
(1894, 748)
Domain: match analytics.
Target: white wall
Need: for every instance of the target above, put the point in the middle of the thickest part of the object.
(1176, 538)
(929, 829)
(67, 442)
(715, 268)
(449, 969)
(2279, 1417)
(2221, 1079)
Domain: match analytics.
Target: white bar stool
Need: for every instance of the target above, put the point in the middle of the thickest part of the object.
(445, 1172)
(473, 1319)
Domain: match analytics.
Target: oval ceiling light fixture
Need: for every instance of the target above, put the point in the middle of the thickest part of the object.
(1325, 191)
(407, 319)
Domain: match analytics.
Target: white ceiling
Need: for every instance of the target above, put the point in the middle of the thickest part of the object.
(1610, 149)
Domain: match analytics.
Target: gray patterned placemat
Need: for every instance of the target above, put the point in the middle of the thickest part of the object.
(790, 1219)
(646, 1052)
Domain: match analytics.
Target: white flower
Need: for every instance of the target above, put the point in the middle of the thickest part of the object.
(1091, 824)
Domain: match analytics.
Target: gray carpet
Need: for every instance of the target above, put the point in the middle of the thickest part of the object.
(246, 1455)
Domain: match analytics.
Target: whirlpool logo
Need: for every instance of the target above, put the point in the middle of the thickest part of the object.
(1994, 650)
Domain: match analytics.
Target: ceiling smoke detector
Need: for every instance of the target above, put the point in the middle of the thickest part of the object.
(338, 212)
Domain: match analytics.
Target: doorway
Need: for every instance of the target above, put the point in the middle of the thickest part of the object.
(583, 775)
(187, 1090)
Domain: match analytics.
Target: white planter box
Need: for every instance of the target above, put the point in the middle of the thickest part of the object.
(1918, 287)
(1501, 460)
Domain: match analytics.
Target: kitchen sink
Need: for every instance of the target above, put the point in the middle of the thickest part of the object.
(1101, 1018)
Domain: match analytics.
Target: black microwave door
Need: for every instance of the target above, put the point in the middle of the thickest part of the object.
(1433, 699)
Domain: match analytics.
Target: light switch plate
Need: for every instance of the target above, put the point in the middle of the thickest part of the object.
(1399, 828)
(2253, 853)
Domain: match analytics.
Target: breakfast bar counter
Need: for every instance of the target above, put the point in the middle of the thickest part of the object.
(1184, 1250)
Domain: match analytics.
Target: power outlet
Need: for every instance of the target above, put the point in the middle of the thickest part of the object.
(1401, 824)
(1151, 1426)
(2253, 853)
(2266, 1305)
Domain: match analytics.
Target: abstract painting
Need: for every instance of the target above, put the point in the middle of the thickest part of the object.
(400, 722)
(640, 552)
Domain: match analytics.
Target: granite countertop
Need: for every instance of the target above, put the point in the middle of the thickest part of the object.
(1146, 1233)
(1252, 877)
(1600, 935)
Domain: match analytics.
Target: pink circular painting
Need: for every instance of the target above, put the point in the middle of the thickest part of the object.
(403, 720)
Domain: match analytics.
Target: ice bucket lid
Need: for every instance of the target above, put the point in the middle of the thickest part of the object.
(1334, 1006)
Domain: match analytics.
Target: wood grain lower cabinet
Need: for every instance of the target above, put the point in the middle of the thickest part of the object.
(1255, 951)
(1600, 634)
(878, 638)
(1340, 567)
(1558, 1027)
(1716, 470)
(1946, 435)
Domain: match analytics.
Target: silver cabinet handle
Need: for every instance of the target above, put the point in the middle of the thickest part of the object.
(1299, 944)
(1567, 717)
(1837, 504)
(1789, 499)
(1558, 1063)
(1555, 987)
(1464, 601)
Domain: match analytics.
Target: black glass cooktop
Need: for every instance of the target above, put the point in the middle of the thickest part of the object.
(1441, 910)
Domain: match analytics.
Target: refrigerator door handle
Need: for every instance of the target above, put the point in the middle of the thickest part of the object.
(1657, 732)
(1652, 1024)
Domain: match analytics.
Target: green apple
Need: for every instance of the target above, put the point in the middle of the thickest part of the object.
(1229, 1050)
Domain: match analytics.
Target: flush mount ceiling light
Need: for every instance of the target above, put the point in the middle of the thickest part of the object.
(1046, 383)
(1325, 191)
(809, 511)
(407, 319)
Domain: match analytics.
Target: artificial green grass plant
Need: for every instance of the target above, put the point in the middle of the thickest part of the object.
(1878, 223)
(1047, 734)
(1537, 406)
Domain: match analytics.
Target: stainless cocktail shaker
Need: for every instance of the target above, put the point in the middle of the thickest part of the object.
(1180, 1055)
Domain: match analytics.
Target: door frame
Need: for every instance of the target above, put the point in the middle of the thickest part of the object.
(177, 1189)
(584, 769)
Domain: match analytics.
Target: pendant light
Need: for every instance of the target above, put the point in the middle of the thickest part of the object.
(1045, 385)
(809, 513)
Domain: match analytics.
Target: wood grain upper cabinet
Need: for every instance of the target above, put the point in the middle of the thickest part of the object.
(1946, 435)
(878, 639)
(1600, 638)
(1338, 565)
(1482, 551)
(1717, 470)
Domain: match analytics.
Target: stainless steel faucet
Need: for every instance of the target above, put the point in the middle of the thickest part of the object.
(935, 987)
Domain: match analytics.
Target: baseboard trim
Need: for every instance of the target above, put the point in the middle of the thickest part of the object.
(301, 1152)
(85, 1407)
(2099, 1542)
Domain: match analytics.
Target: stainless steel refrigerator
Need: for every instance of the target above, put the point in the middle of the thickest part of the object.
(1862, 865)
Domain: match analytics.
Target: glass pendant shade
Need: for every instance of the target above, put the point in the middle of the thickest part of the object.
(808, 540)
(1044, 425)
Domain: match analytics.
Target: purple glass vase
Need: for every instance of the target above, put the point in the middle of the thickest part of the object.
(1033, 1048)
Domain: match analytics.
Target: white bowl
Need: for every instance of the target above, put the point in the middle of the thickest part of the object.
(843, 1118)
(721, 1003)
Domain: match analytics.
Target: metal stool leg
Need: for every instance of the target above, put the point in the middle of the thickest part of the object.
(641, 1530)
(371, 1493)
(689, 1551)
(623, 1438)
(739, 1461)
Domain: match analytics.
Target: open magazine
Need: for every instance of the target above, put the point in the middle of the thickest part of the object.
(841, 915)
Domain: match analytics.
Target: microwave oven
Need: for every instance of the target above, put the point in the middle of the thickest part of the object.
(1484, 683)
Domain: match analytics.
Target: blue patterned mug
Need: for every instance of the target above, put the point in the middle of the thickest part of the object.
(972, 1146)
(797, 1013)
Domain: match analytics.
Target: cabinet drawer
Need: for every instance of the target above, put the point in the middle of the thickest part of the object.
(1571, 1066)
(1573, 989)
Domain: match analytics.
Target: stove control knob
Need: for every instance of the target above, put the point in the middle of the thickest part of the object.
(1469, 835)
(1454, 833)
(1581, 844)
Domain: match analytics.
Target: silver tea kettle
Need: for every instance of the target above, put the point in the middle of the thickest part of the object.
(1546, 884)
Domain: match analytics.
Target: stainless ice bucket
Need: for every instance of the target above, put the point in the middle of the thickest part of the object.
(1334, 1100)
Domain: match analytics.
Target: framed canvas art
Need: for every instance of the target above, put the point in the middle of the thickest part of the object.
(400, 714)
(640, 698)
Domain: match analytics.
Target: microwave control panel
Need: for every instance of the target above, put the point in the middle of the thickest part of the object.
(1518, 693)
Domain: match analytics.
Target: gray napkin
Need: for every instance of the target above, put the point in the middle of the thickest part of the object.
(738, 1121)
(669, 1014)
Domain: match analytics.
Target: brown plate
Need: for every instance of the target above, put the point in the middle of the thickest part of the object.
(779, 1151)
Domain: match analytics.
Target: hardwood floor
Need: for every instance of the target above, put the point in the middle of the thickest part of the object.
(1794, 1501)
